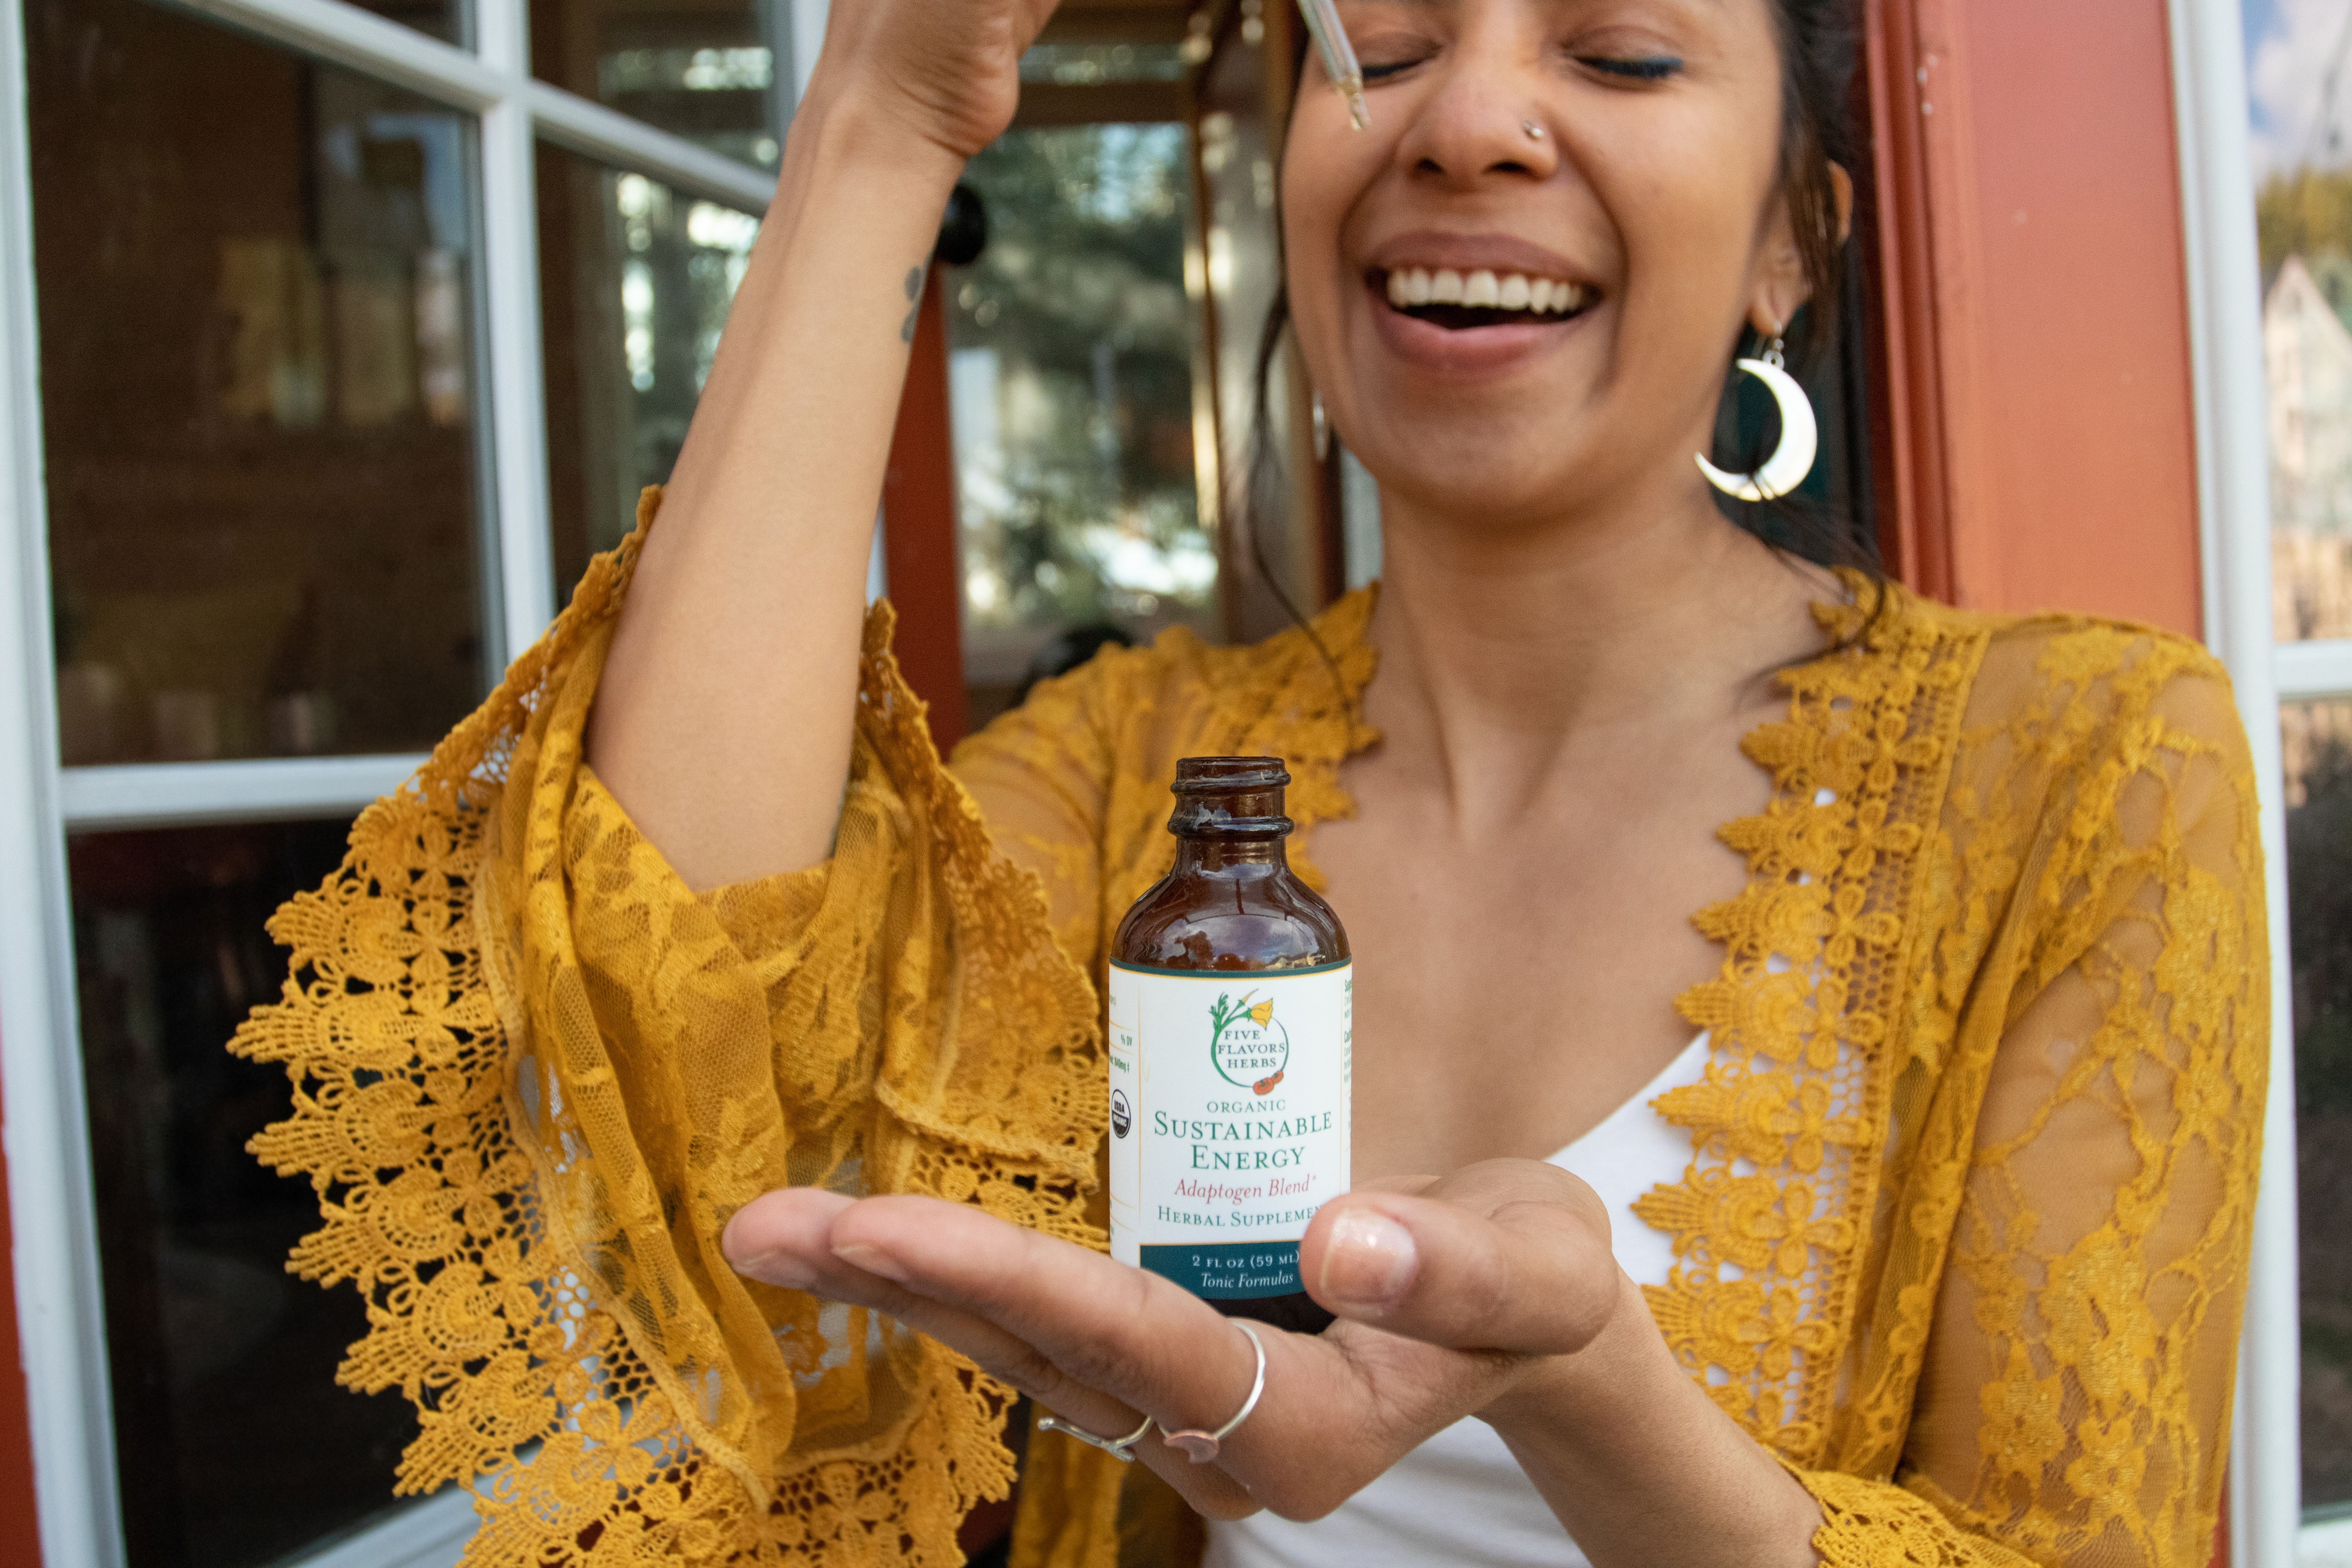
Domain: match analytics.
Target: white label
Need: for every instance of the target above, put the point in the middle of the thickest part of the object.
(1229, 1124)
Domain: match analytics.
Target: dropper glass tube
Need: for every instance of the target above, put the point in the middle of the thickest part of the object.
(1338, 56)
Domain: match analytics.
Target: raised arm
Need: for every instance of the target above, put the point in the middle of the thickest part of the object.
(723, 720)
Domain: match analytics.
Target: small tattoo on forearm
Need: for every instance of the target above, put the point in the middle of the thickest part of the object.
(914, 304)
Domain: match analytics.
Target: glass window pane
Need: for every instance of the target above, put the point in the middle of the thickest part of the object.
(2317, 742)
(703, 71)
(234, 1446)
(1070, 370)
(257, 376)
(634, 283)
(2303, 174)
(2307, 350)
(451, 21)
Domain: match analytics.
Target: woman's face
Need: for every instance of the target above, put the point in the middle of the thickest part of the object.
(1646, 215)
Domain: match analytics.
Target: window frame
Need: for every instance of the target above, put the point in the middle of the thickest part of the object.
(44, 1134)
(2266, 1523)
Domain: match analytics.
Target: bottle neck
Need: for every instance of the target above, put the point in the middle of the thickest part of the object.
(1206, 856)
(1229, 831)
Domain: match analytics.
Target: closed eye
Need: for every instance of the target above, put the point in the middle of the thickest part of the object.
(1651, 68)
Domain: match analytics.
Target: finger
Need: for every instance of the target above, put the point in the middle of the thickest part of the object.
(1516, 1261)
(1408, 1185)
(781, 1237)
(788, 1238)
(1108, 1324)
(785, 1238)
(1334, 1413)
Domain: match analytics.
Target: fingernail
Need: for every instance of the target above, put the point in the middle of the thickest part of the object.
(872, 1259)
(1370, 1259)
(781, 1270)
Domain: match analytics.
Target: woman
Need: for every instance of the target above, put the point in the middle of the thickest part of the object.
(1942, 1261)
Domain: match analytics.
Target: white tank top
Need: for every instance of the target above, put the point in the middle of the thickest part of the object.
(1460, 1500)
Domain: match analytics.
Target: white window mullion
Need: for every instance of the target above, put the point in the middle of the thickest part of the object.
(2312, 670)
(52, 1212)
(2224, 278)
(610, 137)
(362, 41)
(174, 795)
(518, 376)
(499, 75)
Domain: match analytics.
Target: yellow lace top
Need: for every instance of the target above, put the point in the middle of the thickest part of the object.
(1976, 1277)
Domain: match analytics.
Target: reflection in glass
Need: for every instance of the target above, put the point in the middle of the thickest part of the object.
(451, 21)
(257, 365)
(1071, 378)
(2317, 739)
(2307, 354)
(234, 1446)
(704, 72)
(1072, 63)
(634, 282)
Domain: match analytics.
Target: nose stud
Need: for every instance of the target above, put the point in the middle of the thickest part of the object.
(1535, 132)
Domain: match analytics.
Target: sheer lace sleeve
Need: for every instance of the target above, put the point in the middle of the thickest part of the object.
(2074, 1394)
(1042, 775)
(535, 1073)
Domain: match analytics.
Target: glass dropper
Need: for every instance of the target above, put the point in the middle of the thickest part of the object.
(1338, 56)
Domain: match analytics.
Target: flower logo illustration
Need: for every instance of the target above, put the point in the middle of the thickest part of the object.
(1246, 1047)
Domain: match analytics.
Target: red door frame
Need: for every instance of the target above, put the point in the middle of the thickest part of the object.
(918, 526)
(2038, 447)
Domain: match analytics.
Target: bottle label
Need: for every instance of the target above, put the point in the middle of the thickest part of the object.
(1229, 1125)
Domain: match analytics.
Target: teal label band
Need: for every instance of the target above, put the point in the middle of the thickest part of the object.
(1238, 1271)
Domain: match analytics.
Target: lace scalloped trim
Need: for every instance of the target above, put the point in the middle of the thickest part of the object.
(526, 1386)
(1876, 1524)
(1787, 1128)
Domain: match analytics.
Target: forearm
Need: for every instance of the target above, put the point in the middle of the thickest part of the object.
(1641, 1468)
(724, 719)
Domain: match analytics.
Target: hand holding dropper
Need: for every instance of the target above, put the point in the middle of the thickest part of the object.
(1338, 56)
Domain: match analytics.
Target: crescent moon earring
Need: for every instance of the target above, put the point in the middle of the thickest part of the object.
(1792, 459)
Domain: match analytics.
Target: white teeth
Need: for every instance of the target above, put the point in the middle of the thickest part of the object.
(1411, 286)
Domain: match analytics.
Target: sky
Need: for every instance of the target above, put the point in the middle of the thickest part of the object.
(2291, 46)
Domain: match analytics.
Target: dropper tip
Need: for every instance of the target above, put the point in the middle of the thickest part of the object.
(1358, 113)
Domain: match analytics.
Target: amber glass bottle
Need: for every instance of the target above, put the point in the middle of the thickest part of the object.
(1231, 1009)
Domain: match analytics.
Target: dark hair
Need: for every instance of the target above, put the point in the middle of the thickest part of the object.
(1817, 62)
(1817, 44)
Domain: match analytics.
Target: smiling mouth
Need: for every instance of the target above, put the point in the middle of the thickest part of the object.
(1458, 301)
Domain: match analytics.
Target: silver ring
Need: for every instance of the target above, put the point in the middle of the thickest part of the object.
(1122, 1446)
(1202, 1446)
(1535, 132)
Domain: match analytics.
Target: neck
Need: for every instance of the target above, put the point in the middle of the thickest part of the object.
(1505, 652)
(1233, 857)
